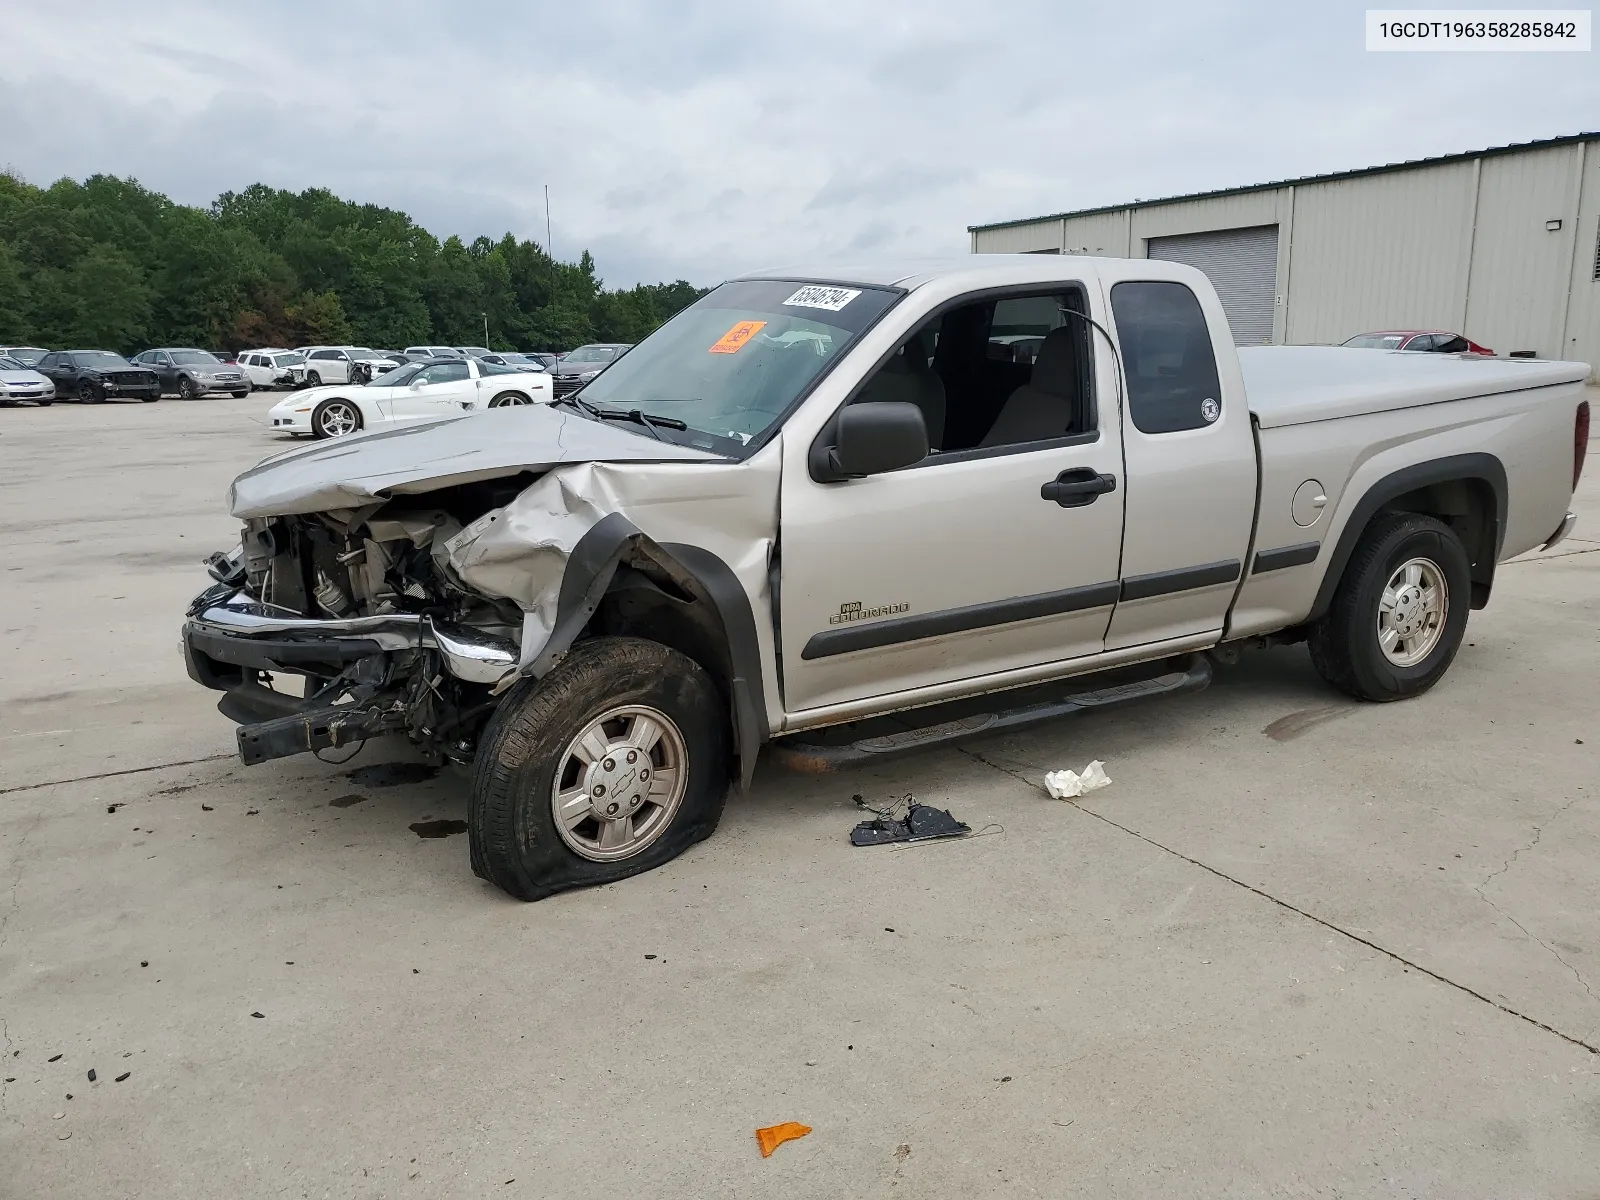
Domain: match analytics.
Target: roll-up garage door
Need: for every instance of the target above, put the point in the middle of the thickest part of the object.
(1242, 265)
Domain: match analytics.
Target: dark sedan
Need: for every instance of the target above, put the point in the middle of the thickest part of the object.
(193, 373)
(97, 376)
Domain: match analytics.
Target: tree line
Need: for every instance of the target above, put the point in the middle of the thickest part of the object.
(109, 264)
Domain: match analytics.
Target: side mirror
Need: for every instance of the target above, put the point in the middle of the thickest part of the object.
(869, 439)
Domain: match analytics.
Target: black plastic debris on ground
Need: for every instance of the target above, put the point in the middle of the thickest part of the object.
(921, 823)
(437, 829)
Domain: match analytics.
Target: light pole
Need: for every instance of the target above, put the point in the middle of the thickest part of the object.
(486, 332)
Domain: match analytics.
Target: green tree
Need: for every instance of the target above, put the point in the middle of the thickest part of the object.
(317, 318)
(16, 315)
(108, 300)
(107, 262)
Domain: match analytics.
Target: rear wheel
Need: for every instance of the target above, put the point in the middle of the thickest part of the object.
(612, 764)
(1399, 613)
(335, 418)
(505, 399)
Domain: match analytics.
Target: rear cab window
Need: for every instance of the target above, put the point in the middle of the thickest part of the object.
(1167, 355)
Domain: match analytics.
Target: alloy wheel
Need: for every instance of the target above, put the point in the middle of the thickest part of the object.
(619, 783)
(337, 420)
(1412, 611)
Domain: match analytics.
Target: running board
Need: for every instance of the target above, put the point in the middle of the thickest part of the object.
(822, 750)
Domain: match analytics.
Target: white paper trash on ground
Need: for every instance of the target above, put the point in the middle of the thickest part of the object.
(1065, 785)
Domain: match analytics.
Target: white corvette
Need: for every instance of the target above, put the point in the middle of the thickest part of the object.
(420, 391)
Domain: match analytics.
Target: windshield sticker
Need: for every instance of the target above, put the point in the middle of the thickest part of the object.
(730, 342)
(830, 298)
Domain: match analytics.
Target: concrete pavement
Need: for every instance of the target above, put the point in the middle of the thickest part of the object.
(1300, 946)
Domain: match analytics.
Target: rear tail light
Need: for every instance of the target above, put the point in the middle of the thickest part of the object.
(1580, 441)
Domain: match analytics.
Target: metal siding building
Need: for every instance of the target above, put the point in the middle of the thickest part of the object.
(1502, 245)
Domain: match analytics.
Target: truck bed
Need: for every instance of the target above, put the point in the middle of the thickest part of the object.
(1293, 385)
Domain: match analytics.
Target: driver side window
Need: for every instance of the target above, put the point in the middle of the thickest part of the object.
(998, 373)
(445, 372)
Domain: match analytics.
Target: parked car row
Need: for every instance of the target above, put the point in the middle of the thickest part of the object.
(42, 376)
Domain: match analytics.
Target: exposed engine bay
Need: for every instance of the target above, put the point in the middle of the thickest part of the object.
(364, 606)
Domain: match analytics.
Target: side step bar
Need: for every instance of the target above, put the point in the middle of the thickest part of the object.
(822, 750)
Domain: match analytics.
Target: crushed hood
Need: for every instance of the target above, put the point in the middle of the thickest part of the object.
(369, 468)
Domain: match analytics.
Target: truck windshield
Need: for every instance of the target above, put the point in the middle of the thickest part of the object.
(730, 365)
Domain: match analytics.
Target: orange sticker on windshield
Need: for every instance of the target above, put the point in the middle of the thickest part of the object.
(736, 337)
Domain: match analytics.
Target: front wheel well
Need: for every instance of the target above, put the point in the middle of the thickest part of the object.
(618, 581)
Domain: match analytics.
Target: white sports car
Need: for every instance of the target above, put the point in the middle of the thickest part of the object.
(420, 391)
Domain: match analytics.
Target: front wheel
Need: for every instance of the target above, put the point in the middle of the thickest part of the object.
(88, 393)
(187, 389)
(612, 764)
(313, 379)
(335, 418)
(1399, 613)
(239, 395)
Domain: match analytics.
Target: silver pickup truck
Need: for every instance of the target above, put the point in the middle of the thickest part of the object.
(850, 513)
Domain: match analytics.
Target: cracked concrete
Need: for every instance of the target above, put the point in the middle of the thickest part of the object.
(1538, 833)
(1239, 971)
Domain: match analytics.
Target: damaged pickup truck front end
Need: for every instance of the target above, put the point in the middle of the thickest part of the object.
(411, 578)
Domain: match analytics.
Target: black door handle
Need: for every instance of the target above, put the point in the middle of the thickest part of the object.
(1077, 487)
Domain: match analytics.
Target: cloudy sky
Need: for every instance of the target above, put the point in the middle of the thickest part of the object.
(696, 140)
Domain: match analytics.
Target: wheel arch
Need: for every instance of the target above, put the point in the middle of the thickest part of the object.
(620, 581)
(1465, 491)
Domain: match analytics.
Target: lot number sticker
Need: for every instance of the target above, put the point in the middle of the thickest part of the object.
(830, 298)
(730, 342)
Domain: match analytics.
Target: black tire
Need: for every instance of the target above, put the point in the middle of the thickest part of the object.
(239, 395)
(186, 389)
(1344, 645)
(313, 379)
(511, 824)
(87, 393)
(44, 403)
(506, 399)
(321, 409)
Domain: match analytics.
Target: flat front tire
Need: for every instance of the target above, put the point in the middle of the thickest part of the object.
(1399, 612)
(612, 764)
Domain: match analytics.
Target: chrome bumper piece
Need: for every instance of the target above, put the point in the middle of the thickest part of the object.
(1560, 535)
(468, 654)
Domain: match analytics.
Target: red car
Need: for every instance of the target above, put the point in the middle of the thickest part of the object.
(1438, 340)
